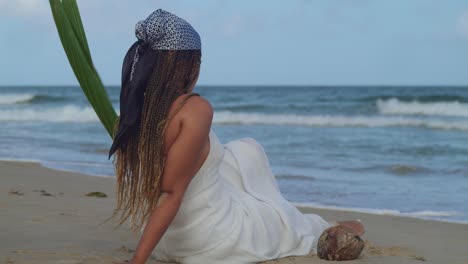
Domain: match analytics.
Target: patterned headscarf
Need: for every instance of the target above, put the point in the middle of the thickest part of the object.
(166, 31)
(161, 30)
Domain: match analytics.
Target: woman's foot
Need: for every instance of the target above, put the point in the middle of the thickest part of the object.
(355, 225)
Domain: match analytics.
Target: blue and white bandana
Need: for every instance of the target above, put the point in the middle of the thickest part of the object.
(163, 30)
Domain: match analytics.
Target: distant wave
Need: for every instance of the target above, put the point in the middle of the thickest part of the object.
(15, 98)
(394, 106)
(7, 99)
(402, 170)
(68, 113)
(420, 98)
(41, 98)
(396, 169)
(295, 177)
(226, 117)
(241, 107)
(73, 113)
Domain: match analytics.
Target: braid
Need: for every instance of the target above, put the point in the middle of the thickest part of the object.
(140, 165)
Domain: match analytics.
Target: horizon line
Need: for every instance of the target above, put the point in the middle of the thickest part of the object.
(261, 85)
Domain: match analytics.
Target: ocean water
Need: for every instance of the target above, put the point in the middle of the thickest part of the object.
(386, 150)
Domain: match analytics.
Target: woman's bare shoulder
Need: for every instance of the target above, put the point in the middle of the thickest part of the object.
(198, 107)
(195, 115)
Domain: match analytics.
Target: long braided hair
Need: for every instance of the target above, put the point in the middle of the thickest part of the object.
(139, 167)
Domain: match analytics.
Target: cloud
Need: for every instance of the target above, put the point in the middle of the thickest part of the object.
(233, 26)
(462, 24)
(39, 8)
(24, 7)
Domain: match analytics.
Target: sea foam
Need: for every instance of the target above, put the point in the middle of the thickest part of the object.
(227, 117)
(393, 106)
(68, 113)
(73, 113)
(425, 214)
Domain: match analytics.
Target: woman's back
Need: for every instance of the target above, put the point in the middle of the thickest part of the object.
(183, 108)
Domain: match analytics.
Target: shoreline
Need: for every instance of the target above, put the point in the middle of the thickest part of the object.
(382, 212)
(43, 164)
(305, 205)
(47, 218)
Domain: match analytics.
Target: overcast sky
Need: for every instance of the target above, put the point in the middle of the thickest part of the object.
(298, 42)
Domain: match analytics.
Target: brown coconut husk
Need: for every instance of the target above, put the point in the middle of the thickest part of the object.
(339, 243)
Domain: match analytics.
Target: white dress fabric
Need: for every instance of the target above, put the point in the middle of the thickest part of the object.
(233, 212)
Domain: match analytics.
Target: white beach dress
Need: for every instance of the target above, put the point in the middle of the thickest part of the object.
(233, 212)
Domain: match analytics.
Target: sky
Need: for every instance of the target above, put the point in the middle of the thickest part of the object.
(262, 42)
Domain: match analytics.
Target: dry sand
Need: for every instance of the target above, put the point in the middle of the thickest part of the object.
(46, 217)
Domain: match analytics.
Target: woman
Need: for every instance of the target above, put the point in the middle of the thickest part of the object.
(194, 199)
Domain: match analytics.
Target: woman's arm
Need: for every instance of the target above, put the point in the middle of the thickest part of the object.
(180, 167)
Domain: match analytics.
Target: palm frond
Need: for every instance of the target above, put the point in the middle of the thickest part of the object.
(72, 35)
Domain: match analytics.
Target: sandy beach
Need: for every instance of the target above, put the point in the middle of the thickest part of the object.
(46, 217)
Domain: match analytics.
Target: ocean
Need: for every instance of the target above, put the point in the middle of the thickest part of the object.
(384, 150)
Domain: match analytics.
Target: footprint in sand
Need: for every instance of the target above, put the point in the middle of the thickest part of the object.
(15, 192)
(44, 192)
(373, 250)
(125, 249)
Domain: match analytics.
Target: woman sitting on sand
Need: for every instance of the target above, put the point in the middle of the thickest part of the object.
(195, 199)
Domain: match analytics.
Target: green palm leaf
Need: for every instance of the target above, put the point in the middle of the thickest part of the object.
(72, 35)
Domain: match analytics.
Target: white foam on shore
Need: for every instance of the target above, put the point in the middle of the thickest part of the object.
(6, 99)
(424, 215)
(50, 165)
(393, 106)
(85, 164)
(63, 166)
(20, 160)
(58, 168)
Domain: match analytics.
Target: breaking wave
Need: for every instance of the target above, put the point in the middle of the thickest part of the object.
(15, 98)
(394, 106)
(420, 98)
(9, 99)
(68, 113)
(73, 113)
(232, 118)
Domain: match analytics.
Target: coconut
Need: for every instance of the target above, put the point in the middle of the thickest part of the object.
(339, 243)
